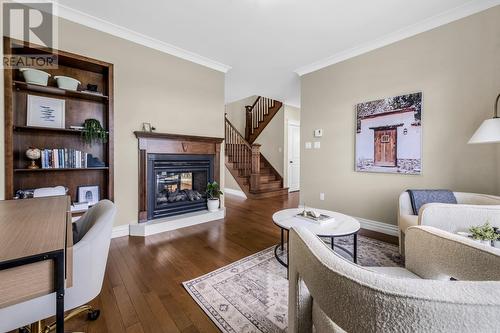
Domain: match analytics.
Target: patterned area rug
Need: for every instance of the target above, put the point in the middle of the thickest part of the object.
(251, 295)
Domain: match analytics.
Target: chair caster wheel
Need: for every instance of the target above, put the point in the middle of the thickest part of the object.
(94, 314)
(23, 330)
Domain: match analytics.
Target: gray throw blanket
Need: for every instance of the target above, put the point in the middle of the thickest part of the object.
(419, 198)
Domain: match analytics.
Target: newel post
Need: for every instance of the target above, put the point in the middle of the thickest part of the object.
(248, 125)
(255, 173)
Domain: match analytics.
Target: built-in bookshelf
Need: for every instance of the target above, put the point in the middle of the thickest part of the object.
(65, 142)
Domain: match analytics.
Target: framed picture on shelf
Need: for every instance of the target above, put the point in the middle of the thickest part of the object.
(88, 193)
(45, 112)
(146, 127)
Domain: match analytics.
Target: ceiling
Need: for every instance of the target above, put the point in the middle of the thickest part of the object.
(267, 42)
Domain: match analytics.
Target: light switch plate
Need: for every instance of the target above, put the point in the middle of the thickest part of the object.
(308, 145)
(317, 145)
(322, 196)
(318, 133)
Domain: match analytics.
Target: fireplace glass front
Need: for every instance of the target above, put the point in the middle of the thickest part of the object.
(178, 183)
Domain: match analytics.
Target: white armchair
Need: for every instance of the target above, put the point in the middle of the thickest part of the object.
(331, 294)
(89, 263)
(471, 209)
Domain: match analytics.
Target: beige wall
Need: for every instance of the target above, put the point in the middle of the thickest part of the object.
(175, 95)
(457, 68)
(271, 140)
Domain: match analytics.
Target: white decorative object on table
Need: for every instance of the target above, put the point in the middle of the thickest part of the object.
(35, 76)
(68, 83)
(45, 112)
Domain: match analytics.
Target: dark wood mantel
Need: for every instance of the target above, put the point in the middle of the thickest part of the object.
(165, 143)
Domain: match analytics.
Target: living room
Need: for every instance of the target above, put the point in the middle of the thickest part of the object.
(250, 167)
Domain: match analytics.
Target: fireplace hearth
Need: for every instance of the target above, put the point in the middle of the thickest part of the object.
(177, 183)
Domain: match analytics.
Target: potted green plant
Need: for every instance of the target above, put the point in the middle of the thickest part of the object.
(213, 194)
(94, 132)
(484, 234)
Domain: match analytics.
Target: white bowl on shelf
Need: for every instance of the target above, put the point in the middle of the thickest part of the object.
(66, 82)
(35, 76)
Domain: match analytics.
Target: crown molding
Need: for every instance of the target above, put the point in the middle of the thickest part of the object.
(457, 13)
(93, 22)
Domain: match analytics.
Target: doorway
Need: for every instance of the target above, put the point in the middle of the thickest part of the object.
(293, 156)
(385, 141)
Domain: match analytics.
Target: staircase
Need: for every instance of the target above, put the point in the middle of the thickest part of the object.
(253, 173)
(259, 115)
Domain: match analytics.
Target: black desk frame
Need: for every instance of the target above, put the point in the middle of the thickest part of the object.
(59, 276)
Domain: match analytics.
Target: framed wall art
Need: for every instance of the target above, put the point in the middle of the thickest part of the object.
(389, 135)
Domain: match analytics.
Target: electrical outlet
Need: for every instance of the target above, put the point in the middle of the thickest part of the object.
(317, 145)
(322, 196)
(308, 145)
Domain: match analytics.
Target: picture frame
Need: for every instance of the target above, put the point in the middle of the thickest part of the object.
(146, 127)
(45, 112)
(89, 193)
(389, 135)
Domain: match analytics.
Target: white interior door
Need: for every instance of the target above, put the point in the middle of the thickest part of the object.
(293, 157)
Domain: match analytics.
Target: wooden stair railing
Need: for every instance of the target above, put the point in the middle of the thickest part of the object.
(244, 156)
(258, 115)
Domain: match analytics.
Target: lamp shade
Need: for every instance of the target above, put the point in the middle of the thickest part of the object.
(488, 132)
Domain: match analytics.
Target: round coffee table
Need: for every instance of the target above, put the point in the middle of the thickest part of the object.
(342, 225)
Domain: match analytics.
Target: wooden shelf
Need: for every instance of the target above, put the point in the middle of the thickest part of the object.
(47, 129)
(80, 105)
(59, 92)
(59, 169)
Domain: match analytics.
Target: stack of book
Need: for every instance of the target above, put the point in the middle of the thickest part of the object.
(63, 158)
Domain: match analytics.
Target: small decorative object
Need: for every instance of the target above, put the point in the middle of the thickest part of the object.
(484, 234)
(94, 162)
(66, 82)
(89, 193)
(33, 154)
(314, 216)
(146, 127)
(213, 194)
(79, 206)
(45, 112)
(94, 132)
(35, 76)
(496, 243)
(92, 87)
(380, 125)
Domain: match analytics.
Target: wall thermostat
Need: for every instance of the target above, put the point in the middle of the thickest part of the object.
(318, 133)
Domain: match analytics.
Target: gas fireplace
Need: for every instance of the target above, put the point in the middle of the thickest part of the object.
(177, 183)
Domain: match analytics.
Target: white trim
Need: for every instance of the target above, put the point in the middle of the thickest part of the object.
(235, 192)
(465, 10)
(384, 228)
(136, 37)
(175, 222)
(120, 231)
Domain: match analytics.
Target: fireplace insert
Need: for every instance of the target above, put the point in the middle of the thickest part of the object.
(177, 183)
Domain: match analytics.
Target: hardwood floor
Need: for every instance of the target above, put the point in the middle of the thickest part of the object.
(142, 290)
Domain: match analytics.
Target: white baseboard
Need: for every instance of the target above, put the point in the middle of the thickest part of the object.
(120, 231)
(384, 228)
(235, 192)
(175, 222)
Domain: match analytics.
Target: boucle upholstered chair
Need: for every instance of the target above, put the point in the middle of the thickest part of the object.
(331, 294)
(471, 209)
